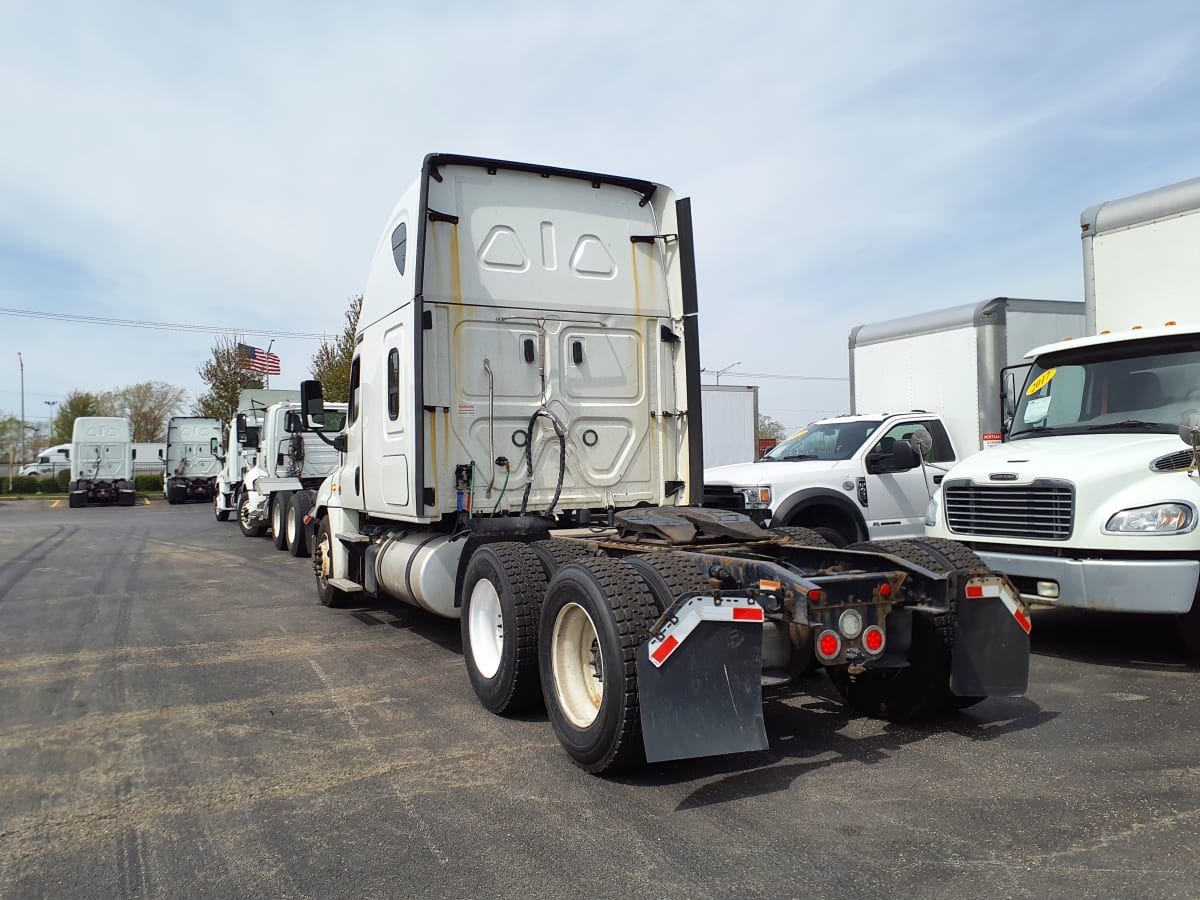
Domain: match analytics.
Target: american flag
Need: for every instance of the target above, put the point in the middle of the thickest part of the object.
(259, 360)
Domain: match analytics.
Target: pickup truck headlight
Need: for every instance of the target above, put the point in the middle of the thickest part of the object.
(755, 497)
(1161, 518)
(931, 511)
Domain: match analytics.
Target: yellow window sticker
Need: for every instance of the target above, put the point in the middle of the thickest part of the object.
(1040, 382)
(801, 433)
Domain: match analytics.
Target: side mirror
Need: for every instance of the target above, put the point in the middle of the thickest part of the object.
(292, 422)
(312, 404)
(133, 453)
(241, 428)
(1189, 428)
(214, 447)
(339, 442)
(160, 453)
(904, 457)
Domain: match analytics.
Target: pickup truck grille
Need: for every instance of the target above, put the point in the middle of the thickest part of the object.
(719, 496)
(1044, 509)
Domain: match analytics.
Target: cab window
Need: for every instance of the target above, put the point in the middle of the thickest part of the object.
(939, 449)
(355, 386)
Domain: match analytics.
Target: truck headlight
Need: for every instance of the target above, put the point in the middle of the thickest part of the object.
(931, 511)
(755, 497)
(1161, 518)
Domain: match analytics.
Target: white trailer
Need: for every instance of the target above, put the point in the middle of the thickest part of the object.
(101, 462)
(950, 361)
(730, 423)
(522, 443)
(1092, 501)
(193, 458)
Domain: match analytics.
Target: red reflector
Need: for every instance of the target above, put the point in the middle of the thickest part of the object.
(873, 639)
(665, 649)
(1022, 619)
(974, 591)
(885, 590)
(814, 595)
(829, 645)
(308, 520)
(747, 614)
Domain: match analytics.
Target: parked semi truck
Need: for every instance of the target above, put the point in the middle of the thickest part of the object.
(101, 462)
(522, 449)
(193, 459)
(50, 462)
(936, 377)
(241, 449)
(291, 462)
(1093, 500)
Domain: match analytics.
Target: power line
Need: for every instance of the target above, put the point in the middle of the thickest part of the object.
(161, 326)
(786, 377)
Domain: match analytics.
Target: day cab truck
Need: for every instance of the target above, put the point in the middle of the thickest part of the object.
(290, 463)
(523, 452)
(870, 475)
(241, 451)
(192, 459)
(1093, 499)
(101, 462)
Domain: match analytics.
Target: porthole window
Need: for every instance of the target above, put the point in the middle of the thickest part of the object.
(400, 245)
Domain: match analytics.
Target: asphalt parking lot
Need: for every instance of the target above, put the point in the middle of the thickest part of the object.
(179, 717)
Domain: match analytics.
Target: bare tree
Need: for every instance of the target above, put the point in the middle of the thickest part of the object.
(331, 364)
(226, 378)
(147, 405)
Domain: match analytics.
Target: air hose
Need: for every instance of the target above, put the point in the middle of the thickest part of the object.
(561, 431)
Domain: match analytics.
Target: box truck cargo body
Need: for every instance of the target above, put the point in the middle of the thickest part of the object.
(949, 361)
(730, 423)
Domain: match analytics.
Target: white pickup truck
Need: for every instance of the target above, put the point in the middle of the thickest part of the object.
(849, 478)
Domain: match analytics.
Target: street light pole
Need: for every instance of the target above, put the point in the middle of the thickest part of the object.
(721, 372)
(21, 360)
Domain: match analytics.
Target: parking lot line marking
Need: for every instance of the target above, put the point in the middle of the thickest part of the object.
(54, 505)
(146, 500)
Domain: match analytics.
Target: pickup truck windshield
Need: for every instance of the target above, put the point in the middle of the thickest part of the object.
(824, 440)
(1124, 388)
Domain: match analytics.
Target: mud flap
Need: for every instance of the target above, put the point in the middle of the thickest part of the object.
(700, 682)
(991, 641)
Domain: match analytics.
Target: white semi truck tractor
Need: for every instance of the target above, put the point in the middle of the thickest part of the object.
(193, 459)
(101, 462)
(522, 452)
(291, 462)
(1093, 501)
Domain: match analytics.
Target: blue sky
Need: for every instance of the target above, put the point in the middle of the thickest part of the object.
(847, 162)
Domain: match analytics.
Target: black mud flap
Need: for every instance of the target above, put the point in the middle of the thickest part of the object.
(991, 641)
(705, 699)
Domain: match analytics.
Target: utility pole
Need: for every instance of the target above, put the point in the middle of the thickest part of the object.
(21, 360)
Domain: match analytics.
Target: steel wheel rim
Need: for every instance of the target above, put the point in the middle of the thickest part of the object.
(485, 625)
(244, 513)
(578, 665)
(321, 559)
(276, 518)
(291, 525)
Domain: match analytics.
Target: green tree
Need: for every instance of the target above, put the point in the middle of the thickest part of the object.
(770, 428)
(331, 364)
(76, 404)
(226, 377)
(10, 437)
(147, 405)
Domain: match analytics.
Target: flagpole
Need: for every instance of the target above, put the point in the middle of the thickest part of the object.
(268, 372)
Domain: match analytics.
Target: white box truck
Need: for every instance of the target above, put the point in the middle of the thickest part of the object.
(101, 462)
(523, 440)
(931, 381)
(1093, 501)
(949, 361)
(731, 420)
(193, 458)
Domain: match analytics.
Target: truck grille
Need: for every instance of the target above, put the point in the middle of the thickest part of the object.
(719, 496)
(1044, 509)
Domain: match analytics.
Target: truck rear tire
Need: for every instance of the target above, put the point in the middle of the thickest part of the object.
(297, 536)
(810, 537)
(221, 514)
(596, 615)
(126, 498)
(334, 598)
(77, 500)
(279, 507)
(502, 592)
(556, 553)
(669, 576)
(249, 529)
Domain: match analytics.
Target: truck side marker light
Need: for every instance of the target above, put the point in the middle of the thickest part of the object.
(978, 591)
(691, 614)
(885, 590)
(308, 519)
(815, 595)
(873, 639)
(766, 585)
(829, 645)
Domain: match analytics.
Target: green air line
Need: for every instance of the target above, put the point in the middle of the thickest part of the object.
(503, 488)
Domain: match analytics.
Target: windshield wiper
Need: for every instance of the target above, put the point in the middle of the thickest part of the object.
(802, 456)
(1137, 424)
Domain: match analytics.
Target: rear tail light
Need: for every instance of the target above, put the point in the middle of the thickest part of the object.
(829, 645)
(872, 640)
